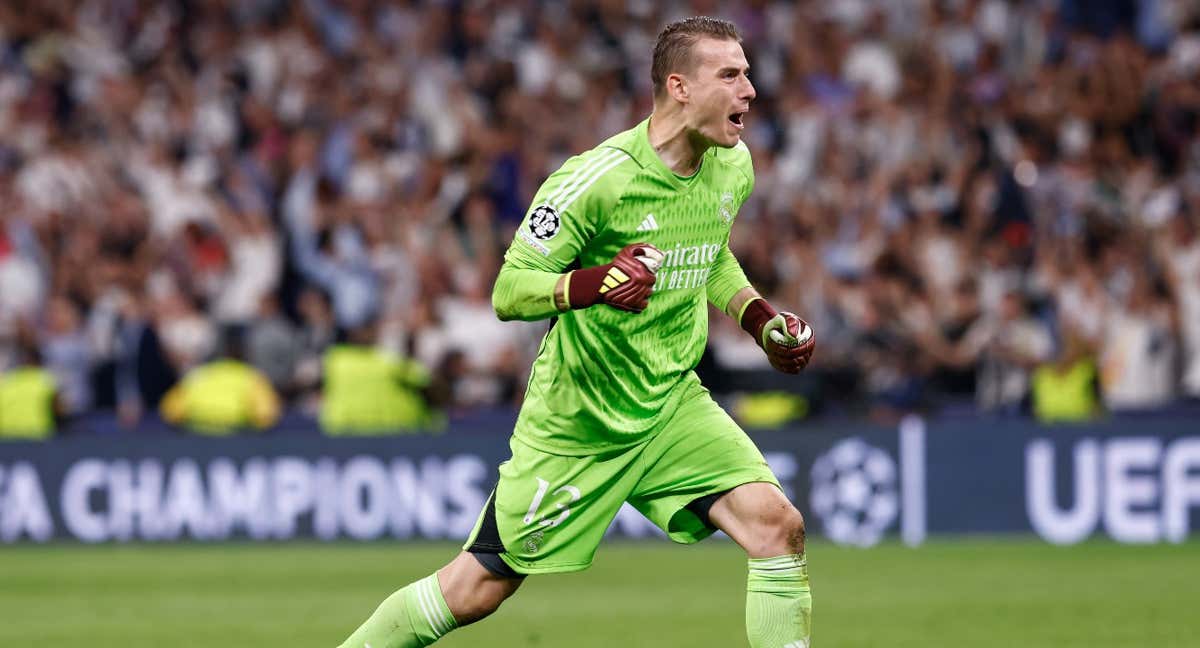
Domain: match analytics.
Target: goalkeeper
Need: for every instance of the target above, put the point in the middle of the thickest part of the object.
(623, 249)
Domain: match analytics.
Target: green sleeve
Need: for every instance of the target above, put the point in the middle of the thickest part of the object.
(726, 279)
(565, 215)
(524, 294)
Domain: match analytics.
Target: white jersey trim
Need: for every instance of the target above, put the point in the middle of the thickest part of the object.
(585, 177)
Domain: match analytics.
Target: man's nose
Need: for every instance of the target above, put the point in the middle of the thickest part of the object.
(747, 93)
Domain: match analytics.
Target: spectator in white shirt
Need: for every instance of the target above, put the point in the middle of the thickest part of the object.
(1137, 359)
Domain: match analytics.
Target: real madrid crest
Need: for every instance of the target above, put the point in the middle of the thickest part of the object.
(534, 542)
(726, 208)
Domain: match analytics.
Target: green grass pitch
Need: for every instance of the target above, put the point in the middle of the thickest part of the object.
(969, 593)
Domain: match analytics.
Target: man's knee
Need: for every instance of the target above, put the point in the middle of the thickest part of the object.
(471, 591)
(795, 533)
(761, 520)
(776, 528)
(781, 530)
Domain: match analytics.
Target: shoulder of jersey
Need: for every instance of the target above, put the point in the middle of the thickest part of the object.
(737, 157)
(602, 171)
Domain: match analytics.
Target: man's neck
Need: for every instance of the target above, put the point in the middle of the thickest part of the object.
(675, 146)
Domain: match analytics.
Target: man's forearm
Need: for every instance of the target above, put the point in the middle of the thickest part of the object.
(529, 295)
(728, 288)
(741, 299)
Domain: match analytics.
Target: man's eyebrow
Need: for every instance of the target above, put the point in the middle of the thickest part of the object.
(733, 68)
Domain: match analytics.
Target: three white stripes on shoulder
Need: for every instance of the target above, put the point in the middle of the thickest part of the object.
(583, 178)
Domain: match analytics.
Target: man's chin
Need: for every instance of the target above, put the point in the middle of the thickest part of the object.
(733, 135)
(723, 138)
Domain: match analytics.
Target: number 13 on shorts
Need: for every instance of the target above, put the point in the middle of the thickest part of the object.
(532, 515)
(551, 511)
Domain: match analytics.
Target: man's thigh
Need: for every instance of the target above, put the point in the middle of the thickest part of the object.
(549, 513)
(701, 451)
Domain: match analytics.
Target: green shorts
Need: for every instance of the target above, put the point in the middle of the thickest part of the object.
(549, 512)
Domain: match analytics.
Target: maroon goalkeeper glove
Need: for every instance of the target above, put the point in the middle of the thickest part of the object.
(787, 340)
(625, 283)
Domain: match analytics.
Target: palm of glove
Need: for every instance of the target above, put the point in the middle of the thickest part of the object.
(789, 342)
(630, 279)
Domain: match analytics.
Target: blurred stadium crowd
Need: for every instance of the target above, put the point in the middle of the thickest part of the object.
(972, 201)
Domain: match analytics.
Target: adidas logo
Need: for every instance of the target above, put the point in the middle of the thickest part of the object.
(613, 279)
(648, 224)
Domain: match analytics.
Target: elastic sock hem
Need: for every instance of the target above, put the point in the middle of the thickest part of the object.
(443, 607)
(428, 605)
(786, 574)
(777, 562)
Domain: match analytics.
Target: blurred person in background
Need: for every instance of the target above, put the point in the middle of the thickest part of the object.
(187, 334)
(254, 267)
(223, 396)
(486, 345)
(24, 267)
(30, 403)
(273, 345)
(1067, 390)
(330, 252)
(66, 352)
(894, 384)
(1081, 300)
(368, 390)
(1178, 249)
(1138, 361)
(1004, 348)
(142, 370)
(316, 332)
(950, 378)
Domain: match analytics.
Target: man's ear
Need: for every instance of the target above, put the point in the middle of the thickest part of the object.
(677, 87)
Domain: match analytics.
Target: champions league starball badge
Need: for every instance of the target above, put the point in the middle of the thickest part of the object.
(544, 222)
(855, 492)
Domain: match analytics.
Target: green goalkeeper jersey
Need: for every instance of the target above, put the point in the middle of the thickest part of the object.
(605, 378)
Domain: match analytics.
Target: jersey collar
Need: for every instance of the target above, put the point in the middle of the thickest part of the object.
(648, 157)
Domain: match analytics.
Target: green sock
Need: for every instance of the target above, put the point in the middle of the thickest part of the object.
(413, 617)
(778, 602)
